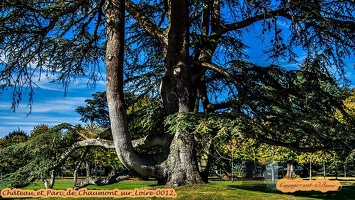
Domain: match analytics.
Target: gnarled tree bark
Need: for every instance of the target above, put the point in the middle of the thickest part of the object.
(100, 181)
(114, 16)
(181, 165)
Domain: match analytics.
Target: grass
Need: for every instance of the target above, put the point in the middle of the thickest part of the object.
(68, 183)
(245, 190)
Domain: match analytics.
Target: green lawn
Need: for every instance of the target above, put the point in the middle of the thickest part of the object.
(245, 190)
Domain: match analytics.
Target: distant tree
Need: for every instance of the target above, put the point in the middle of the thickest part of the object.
(39, 129)
(33, 159)
(96, 110)
(347, 116)
(9, 162)
(144, 114)
(92, 157)
(345, 157)
(17, 136)
(2, 143)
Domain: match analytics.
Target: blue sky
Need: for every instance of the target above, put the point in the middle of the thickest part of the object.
(50, 106)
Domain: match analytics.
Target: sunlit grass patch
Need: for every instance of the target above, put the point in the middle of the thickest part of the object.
(244, 190)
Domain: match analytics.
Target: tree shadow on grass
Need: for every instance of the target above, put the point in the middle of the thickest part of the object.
(347, 192)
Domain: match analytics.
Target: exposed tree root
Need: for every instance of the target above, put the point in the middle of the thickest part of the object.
(101, 181)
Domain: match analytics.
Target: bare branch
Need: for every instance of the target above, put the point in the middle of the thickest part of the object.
(205, 18)
(60, 13)
(152, 140)
(82, 135)
(147, 24)
(101, 181)
(80, 144)
(251, 20)
(217, 69)
(216, 15)
(219, 106)
(292, 146)
(148, 141)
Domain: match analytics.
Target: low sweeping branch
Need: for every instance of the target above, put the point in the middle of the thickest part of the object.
(147, 141)
(101, 181)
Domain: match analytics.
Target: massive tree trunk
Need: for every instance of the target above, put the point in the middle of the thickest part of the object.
(114, 16)
(180, 168)
(182, 164)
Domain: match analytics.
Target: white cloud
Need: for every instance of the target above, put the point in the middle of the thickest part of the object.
(50, 104)
(49, 107)
(27, 123)
(51, 116)
(58, 105)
